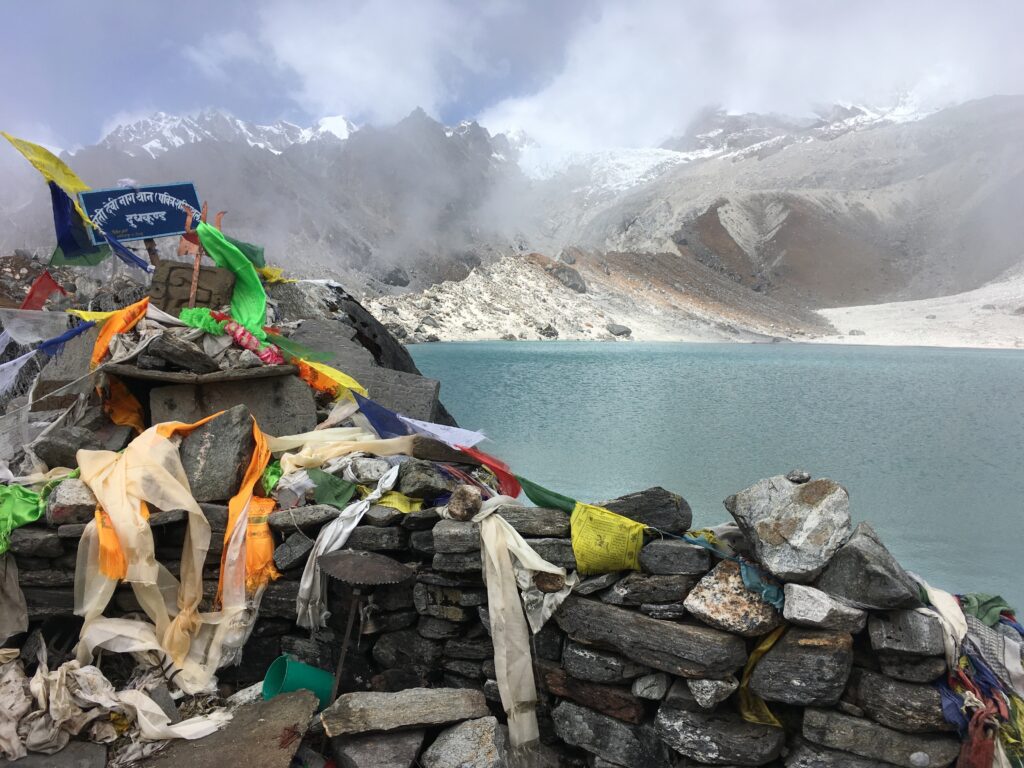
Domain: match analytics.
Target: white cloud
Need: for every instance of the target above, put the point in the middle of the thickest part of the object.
(637, 72)
(216, 52)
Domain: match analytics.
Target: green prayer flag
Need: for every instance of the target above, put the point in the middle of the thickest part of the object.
(200, 317)
(249, 299)
(542, 497)
(253, 253)
(58, 259)
(271, 476)
(985, 608)
(18, 506)
(330, 489)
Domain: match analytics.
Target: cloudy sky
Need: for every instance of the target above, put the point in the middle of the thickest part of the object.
(572, 73)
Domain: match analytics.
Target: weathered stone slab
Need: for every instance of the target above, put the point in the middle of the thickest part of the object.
(606, 737)
(458, 562)
(216, 455)
(721, 600)
(667, 556)
(378, 750)
(412, 708)
(279, 600)
(666, 611)
(479, 743)
(610, 700)
(181, 353)
(864, 572)
(423, 520)
(46, 578)
(77, 754)
(640, 588)
(710, 693)
(655, 507)
(31, 541)
(381, 516)
(599, 666)
(596, 583)
(538, 522)
(449, 603)
(556, 551)
(307, 519)
(422, 543)
(71, 365)
(810, 607)
(372, 539)
(808, 755)
(806, 667)
(70, 502)
(423, 480)
(679, 649)
(456, 536)
(438, 629)
(903, 706)
(59, 448)
(795, 528)
(868, 739)
(906, 632)
(293, 552)
(407, 649)
(172, 285)
(718, 739)
(282, 405)
(912, 669)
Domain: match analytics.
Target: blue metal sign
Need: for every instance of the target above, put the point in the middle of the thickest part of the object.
(137, 213)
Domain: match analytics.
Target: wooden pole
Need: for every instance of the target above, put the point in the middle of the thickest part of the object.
(154, 257)
(195, 278)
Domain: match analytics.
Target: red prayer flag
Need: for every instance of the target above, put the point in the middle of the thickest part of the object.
(42, 287)
(507, 482)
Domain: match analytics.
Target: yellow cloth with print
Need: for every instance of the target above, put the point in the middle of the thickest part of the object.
(53, 169)
(603, 541)
(752, 707)
(394, 500)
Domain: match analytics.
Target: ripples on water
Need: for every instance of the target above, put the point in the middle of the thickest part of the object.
(929, 442)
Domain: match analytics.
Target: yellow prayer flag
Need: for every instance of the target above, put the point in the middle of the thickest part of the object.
(752, 707)
(53, 169)
(93, 317)
(603, 541)
(394, 500)
(272, 275)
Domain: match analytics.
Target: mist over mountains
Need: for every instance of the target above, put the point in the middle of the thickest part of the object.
(852, 206)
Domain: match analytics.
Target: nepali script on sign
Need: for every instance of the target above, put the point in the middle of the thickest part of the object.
(137, 213)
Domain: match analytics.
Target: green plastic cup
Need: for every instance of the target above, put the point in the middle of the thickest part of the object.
(287, 674)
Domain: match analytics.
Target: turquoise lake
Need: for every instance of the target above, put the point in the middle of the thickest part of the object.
(929, 442)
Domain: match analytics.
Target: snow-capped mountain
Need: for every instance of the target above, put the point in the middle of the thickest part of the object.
(161, 132)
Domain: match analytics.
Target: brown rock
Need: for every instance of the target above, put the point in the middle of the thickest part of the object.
(721, 600)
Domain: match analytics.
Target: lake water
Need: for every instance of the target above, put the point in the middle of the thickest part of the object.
(929, 442)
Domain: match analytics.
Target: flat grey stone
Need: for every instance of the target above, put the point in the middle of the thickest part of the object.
(308, 519)
(906, 632)
(479, 743)
(795, 528)
(808, 755)
(721, 600)
(608, 738)
(416, 707)
(556, 551)
(655, 507)
(406, 649)
(458, 562)
(423, 480)
(69, 503)
(181, 353)
(810, 607)
(372, 539)
(653, 686)
(666, 611)
(77, 754)
(718, 739)
(864, 572)
(680, 696)
(639, 588)
(596, 583)
(216, 455)
(667, 556)
(58, 448)
(805, 667)
(32, 541)
(868, 739)
(293, 551)
(536, 522)
(456, 536)
(423, 520)
(912, 669)
(438, 629)
(450, 603)
(422, 543)
(687, 650)
(599, 666)
(903, 706)
(398, 749)
(381, 516)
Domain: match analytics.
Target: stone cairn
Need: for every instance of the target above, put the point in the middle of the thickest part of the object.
(636, 669)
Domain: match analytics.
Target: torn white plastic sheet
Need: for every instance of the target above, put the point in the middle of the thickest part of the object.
(5, 339)
(10, 371)
(452, 436)
(310, 604)
(30, 326)
(41, 714)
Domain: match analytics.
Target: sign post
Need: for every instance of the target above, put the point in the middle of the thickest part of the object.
(140, 213)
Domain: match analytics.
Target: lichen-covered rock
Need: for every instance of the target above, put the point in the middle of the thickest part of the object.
(721, 600)
(904, 706)
(864, 572)
(795, 528)
(481, 743)
(810, 607)
(710, 693)
(599, 666)
(806, 667)
(869, 739)
(718, 739)
(70, 503)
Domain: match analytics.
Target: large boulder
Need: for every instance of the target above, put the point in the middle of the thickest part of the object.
(721, 600)
(216, 455)
(718, 739)
(805, 667)
(794, 528)
(863, 571)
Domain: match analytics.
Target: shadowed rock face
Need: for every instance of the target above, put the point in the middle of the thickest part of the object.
(865, 573)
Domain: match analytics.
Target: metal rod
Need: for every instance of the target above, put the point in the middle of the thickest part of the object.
(353, 607)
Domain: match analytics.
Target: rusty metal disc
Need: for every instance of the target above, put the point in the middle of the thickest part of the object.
(363, 569)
